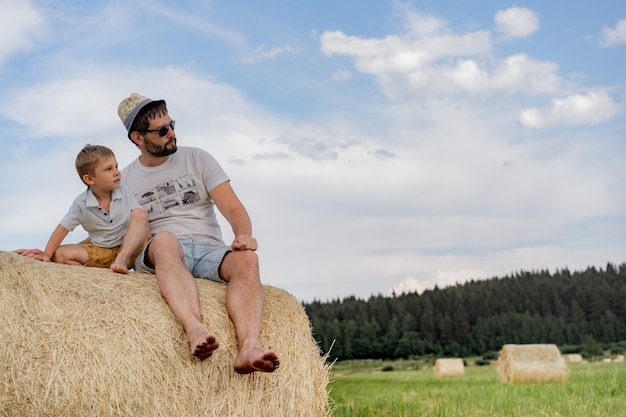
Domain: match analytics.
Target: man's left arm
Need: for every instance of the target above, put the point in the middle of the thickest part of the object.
(236, 214)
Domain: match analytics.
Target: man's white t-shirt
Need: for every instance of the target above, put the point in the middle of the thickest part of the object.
(176, 193)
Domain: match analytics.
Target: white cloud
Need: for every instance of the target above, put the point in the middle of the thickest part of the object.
(429, 58)
(317, 142)
(516, 22)
(418, 24)
(516, 74)
(397, 54)
(22, 24)
(520, 73)
(614, 36)
(196, 19)
(575, 110)
(54, 110)
(407, 285)
(261, 53)
(342, 75)
(498, 264)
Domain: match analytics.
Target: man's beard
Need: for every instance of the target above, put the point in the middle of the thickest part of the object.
(160, 150)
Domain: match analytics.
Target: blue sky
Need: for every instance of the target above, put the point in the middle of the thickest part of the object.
(377, 145)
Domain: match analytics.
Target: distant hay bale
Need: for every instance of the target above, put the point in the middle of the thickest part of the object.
(449, 367)
(619, 358)
(573, 358)
(531, 363)
(80, 341)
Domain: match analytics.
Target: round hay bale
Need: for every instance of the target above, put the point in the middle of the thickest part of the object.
(573, 358)
(449, 367)
(531, 363)
(89, 342)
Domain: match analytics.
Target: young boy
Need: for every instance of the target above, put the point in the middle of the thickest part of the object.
(110, 214)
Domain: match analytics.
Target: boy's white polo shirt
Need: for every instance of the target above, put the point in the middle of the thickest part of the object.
(106, 229)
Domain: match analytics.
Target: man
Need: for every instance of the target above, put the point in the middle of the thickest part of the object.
(179, 188)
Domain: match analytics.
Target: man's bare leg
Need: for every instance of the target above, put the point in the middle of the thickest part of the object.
(181, 292)
(244, 301)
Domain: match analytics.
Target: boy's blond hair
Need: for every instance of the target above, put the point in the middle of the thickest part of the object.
(88, 158)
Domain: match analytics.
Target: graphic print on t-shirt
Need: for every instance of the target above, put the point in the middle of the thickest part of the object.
(177, 192)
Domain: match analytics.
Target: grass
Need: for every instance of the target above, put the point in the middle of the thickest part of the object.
(411, 389)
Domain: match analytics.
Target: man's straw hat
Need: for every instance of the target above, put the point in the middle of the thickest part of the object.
(130, 107)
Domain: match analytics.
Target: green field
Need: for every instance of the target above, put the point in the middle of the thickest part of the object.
(364, 389)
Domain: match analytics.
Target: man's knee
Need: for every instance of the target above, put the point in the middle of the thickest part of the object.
(165, 240)
(239, 263)
(248, 259)
(164, 245)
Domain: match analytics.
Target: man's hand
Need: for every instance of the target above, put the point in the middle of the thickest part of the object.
(34, 254)
(244, 242)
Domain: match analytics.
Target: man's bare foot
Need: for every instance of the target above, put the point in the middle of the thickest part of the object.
(202, 343)
(256, 359)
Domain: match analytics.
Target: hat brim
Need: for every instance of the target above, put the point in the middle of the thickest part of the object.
(128, 123)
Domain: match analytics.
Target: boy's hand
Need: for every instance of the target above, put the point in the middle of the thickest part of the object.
(34, 254)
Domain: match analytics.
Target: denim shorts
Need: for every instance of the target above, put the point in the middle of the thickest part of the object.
(202, 259)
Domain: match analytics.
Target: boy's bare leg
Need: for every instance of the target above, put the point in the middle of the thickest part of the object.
(244, 301)
(73, 254)
(181, 292)
(134, 237)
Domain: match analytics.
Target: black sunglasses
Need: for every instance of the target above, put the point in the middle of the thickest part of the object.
(163, 130)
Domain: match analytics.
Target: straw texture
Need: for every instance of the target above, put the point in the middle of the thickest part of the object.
(531, 363)
(78, 341)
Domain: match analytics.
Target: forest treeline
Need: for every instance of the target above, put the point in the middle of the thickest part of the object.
(476, 317)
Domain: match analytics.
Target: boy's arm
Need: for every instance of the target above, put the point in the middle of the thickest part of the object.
(54, 242)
